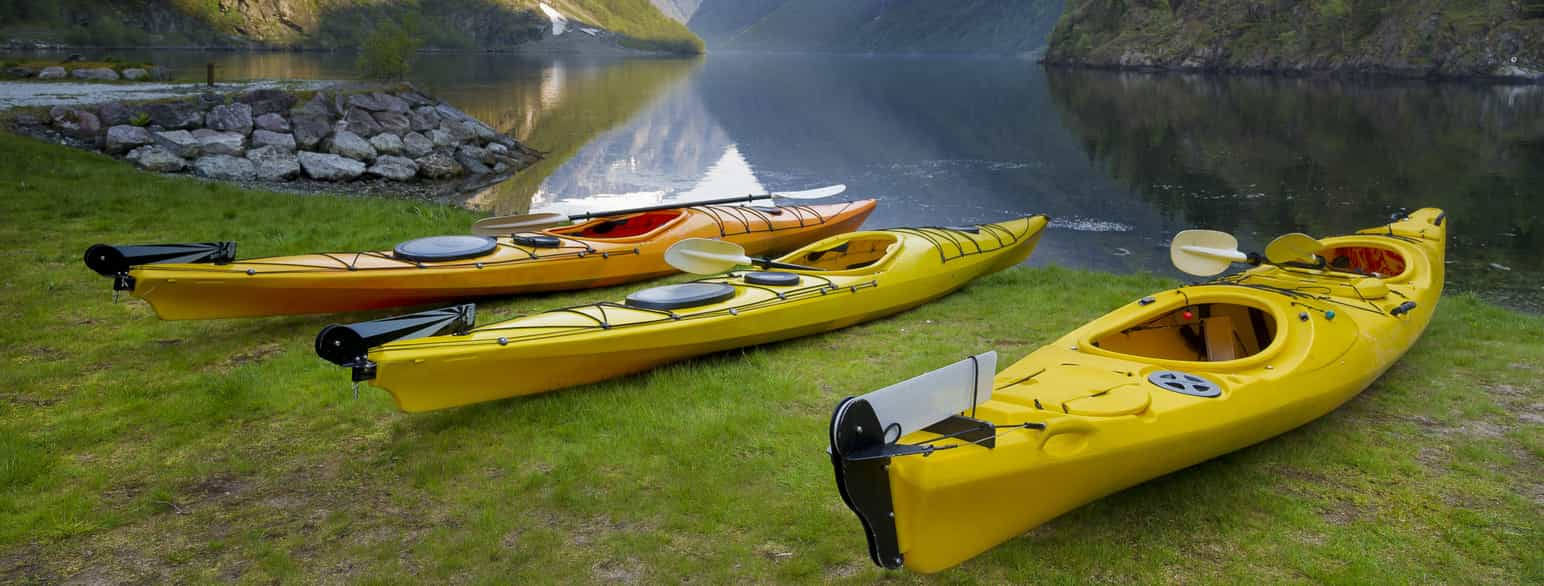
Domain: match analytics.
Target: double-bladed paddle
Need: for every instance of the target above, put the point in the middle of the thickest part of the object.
(704, 256)
(505, 225)
(1208, 252)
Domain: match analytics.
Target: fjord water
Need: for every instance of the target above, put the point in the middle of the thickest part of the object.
(1120, 160)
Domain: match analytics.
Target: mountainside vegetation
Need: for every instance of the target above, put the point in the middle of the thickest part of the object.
(880, 26)
(330, 24)
(1406, 38)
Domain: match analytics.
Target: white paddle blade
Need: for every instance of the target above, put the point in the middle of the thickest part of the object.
(817, 193)
(1293, 247)
(916, 403)
(1204, 252)
(506, 225)
(704, 256)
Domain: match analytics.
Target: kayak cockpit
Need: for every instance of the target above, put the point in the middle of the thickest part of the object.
(617, 228)
(866, 250)
(1205, 332)
(1367, 260)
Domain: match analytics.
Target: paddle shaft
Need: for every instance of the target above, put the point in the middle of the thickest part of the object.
(772, 264)
(672, 206)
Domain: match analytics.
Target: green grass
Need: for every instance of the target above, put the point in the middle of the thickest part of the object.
(133, 449)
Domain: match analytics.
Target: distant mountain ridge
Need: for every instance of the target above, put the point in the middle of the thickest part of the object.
(1404, 38)
(325, 24)
(877, 26)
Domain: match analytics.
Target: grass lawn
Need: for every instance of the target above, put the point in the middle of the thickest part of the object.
(133, 449)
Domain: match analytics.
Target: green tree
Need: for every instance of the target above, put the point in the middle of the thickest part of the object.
(388, 51)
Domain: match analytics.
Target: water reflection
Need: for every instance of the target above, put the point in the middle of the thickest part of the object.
(1262, 156)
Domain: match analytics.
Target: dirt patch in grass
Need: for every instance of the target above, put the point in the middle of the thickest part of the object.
(252, 356)
(628, 571)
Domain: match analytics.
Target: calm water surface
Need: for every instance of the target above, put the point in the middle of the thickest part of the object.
(1121, 161)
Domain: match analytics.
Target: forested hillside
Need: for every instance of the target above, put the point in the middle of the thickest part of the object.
(444, 24)
(879, 26)
(1410, 38)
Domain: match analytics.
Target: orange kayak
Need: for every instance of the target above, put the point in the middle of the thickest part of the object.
(205, 281)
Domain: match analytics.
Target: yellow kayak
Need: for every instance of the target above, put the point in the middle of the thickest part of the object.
(1160, 384)
(857, 277)
(206, 281)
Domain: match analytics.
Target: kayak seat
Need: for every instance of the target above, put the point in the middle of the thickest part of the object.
(680, 296)
(628, 227)
(1209, 332)
(444, 248)
(851, 254)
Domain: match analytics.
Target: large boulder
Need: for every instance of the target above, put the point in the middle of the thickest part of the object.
(225, 167)
(364, 102)
(232, 118)
(273, 163)
(77, 123)
(267, 100)
(310, 130)
(361, 122)
(442, 138)
(416, 145)
(272, 122)
(394, 168)
(439, 166)
(155, 158)
(95, 74)
(20, 72)
(124, 138)
(393, 122)
(178, 142)
(350, 145)
(55, 72)
(135, 74)
(176, 115)
(221, 143)
(415, 99)
(392, 103)
(318, 106)
(263, 138)
(387, 143)
(330, 167)
(459, 130)
(424, 118)
(115, 113)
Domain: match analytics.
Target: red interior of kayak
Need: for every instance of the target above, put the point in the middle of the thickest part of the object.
(1366, 259)
(624, 227)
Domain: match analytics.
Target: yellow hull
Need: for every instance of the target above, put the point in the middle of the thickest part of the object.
(1278, 360)
(331, 282)
(584, 344)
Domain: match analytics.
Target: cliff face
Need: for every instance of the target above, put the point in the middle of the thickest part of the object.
(881, 26)
(1405, 38)
(445, 24)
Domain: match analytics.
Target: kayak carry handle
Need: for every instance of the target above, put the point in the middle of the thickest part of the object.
(110, 260)
(1402, 309)
(348, 344)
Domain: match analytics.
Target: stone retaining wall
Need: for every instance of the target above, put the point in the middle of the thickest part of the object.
(272, 135)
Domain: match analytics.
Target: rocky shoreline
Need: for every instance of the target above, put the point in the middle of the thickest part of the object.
(393, 140)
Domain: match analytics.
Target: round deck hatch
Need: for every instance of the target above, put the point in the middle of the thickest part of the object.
(443, 248)
(537, 240)
(773, 278)
(680, 296)
(1184, 383)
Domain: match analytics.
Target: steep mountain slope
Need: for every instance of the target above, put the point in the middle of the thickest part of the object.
(678, 10)
(881, 26)
(1411, 38)
(451, 24)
